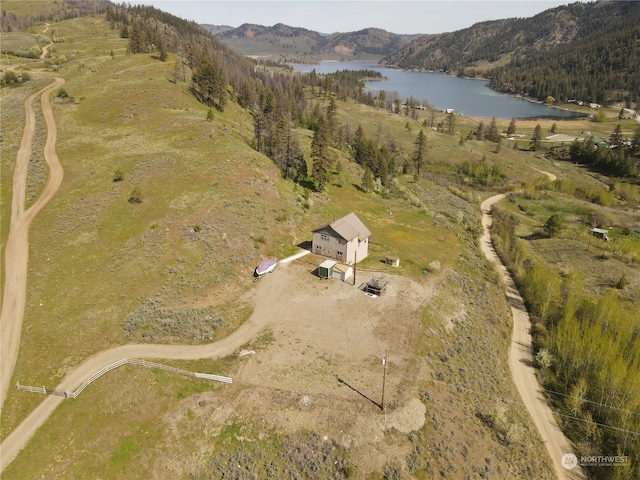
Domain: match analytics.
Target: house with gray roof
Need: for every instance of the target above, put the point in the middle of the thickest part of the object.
(346, 240)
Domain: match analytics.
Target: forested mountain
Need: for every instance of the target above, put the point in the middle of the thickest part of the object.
(281, 39)
(585, 51)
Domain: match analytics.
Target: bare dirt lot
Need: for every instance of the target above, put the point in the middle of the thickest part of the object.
(328, 340)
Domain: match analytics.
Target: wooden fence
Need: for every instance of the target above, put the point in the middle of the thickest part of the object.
(119, 363)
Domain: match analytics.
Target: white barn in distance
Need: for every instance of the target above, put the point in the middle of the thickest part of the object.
(346, 240)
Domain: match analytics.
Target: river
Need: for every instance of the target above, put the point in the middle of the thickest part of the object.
(465, 96)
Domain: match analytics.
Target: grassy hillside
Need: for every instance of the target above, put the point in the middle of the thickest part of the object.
(177, 268)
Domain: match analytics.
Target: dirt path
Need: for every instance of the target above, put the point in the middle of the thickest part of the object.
(265, 294)
(17, 248)
(521, 359)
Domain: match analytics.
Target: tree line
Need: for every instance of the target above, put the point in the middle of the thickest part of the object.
(618, 156)
(54, 12)
(588, 347)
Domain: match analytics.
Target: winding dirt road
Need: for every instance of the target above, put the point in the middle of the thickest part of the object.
(521, 358)
(17, 248)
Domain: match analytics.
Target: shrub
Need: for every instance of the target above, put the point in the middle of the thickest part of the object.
(622, 282)
(9, 77)
(118, 176)
(136, 196)
(544, 359)
(554, 224)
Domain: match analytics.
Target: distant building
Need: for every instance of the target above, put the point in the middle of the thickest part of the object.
(346, 240)
(600, 233)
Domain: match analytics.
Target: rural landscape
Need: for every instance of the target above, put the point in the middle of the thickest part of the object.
(485, 325)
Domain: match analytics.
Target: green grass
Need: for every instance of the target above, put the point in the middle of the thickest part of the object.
(123, 453)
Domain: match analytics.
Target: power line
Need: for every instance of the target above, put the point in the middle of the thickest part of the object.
(516, 402)
(544, 389)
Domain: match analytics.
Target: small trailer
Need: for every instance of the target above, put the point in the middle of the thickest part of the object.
(265, 266)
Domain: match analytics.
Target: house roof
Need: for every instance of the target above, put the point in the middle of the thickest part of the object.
(600, 230)
(348, 227)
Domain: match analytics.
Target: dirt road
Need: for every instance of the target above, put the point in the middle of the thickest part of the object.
(265, 296)
(17, 248)
(521, 359)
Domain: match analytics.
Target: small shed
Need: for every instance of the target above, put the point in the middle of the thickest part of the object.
(342, 272)
(392, 261)
(600, 233)
(326, 268)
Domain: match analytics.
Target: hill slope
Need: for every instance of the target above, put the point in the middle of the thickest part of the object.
(282, 40)
(555, 44)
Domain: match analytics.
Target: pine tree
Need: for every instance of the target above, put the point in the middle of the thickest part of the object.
(511, 130)
(536, 139)
(480, 131)
(616, 137)
(492, 134)
(162, 50)
(358, 145)
(209, 80)
(332, 122)
(137, 43)
(368, 182)
(451, 123)
(320, 155)
(420, 151)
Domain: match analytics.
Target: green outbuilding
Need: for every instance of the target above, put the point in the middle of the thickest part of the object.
(325, 269)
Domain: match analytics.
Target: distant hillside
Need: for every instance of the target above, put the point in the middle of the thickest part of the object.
(595, 40)
(216, 29)
(250, 39)
(374, 41)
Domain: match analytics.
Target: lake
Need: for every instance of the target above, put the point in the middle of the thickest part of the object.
(468, 97)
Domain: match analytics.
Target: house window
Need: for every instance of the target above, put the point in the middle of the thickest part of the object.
(339, 254)
(325, 237)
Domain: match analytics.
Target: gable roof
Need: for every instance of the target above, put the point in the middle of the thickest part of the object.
(347, 227)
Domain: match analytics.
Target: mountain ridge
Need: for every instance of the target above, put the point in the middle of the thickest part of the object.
(285, 40)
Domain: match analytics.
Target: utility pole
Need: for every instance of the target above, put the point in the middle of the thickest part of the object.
(355, 262)
(384, 378)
